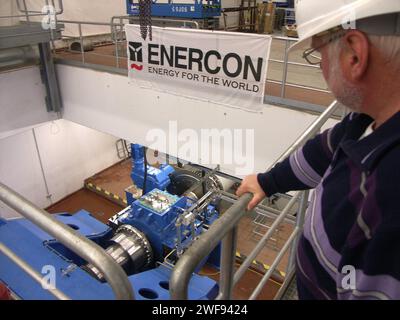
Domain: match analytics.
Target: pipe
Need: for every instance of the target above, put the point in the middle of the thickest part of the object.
(203, 246)
(80, 245)
(77, 46)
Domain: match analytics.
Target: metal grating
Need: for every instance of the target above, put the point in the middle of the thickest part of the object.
(291, 291)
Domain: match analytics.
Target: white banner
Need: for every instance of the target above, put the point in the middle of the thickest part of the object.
(223, 67)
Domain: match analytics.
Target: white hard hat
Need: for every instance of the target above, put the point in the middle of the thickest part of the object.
(315, 16)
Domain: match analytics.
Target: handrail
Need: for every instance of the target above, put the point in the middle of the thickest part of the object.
(60, 5)
(273, 266)
(118, 37)
(227, 222)
(187, 264)
(286, 63)
(32, 13)
(80, 245)
(153, 19)
(255, 252)
(95, 23)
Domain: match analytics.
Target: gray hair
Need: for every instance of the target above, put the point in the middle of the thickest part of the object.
(390, 48)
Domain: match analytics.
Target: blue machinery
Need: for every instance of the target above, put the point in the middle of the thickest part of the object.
(146, 240)
(192, 9)
(27, 249)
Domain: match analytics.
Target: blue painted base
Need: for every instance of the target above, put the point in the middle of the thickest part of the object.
(39, 250)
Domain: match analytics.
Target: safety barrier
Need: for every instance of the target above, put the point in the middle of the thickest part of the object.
(225, 229)
(83, 247)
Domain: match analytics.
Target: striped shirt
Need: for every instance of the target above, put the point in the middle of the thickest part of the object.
(353, 221)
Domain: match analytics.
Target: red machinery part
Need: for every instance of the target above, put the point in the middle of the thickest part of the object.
(4, 292)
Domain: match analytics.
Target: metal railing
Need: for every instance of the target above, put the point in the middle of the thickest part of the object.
(188, 262)
(81, 37)
(225, 229)
(24, 7)
(27, 14)
(118, 39)
(30, 28)
(286, 63)
(118, 34)
(83, 247)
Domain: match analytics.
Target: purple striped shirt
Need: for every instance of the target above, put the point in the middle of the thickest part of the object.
(350, 245)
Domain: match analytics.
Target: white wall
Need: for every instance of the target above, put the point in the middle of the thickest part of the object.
(78, 10)
(69, 152)
(107, 102)
(20, 170)
(8, 8)
(22, 100)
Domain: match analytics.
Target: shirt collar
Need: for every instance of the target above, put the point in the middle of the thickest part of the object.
(367, 152)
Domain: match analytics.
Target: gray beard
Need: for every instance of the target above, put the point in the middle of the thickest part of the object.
(346, 93)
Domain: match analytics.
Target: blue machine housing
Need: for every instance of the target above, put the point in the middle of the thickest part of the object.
(155, 214)
(39, 249)
(196, 9)
(159, 226)
(156, 177)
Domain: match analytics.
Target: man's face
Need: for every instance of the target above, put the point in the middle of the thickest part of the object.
(333, 71)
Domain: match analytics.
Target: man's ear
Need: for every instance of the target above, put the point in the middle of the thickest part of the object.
(355, 55)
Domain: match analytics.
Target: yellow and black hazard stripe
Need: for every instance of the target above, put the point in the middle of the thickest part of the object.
(107, 194)
(258, 265)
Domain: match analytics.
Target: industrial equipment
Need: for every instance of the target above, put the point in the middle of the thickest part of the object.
(192, 9)
(171, 210)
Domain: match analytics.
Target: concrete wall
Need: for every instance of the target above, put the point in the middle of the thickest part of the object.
(22, 101)
(94, 11)
(69, 153)
(8, 8)
(110, 103)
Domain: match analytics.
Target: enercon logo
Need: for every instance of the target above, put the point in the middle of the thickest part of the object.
(136, 55)
(229, 65)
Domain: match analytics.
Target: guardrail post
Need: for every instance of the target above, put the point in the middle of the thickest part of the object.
(83, 247)
(186, 265)
(301, 212)
(81, 42)
(228, 256)
(285, 69)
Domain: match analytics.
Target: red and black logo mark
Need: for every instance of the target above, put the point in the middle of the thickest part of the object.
(136, 55)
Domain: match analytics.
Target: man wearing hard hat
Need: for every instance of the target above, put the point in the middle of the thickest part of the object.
(353, 221)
